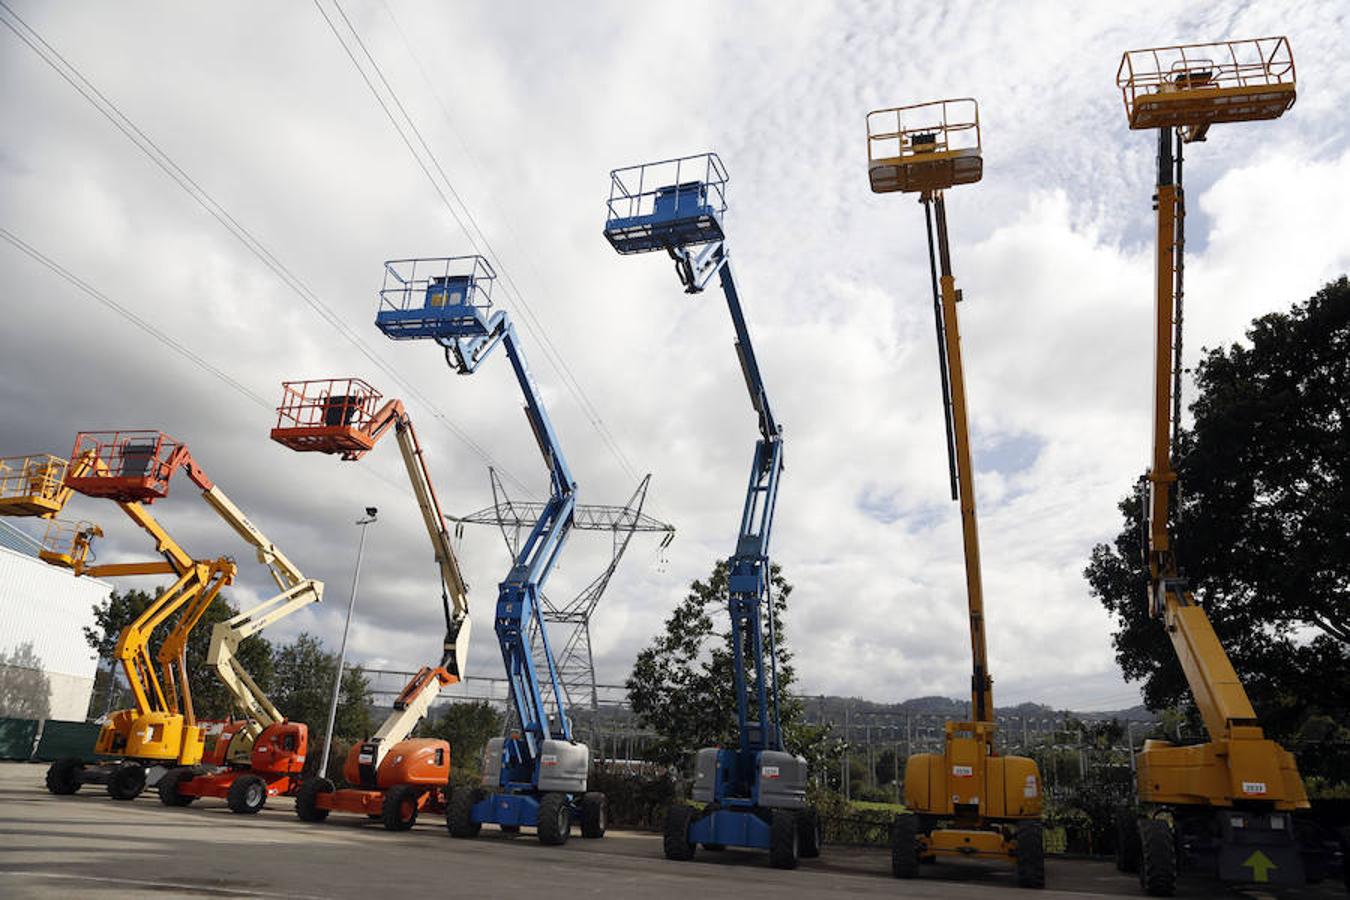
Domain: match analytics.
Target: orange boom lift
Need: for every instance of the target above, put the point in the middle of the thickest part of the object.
(390, 776)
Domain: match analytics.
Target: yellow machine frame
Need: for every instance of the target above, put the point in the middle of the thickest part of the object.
(968, 801)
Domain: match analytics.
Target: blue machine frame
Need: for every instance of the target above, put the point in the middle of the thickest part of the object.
(677, 205)
(449, 300)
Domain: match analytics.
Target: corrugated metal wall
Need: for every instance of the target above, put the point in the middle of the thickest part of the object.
(49, 608)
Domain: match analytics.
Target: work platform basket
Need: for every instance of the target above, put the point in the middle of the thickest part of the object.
(924, 147)
(125, 466)
(331, 415)
(32, 485)
(447, 297)
(1193, 86)
(69, 544)
(667, 205)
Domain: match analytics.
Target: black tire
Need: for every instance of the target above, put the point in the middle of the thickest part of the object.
(399, 811)
(1157, 858)
(247, 795)
(307, 799)
(905, 846)
(784, 839)
(459, 813)
(555, 820)
(809, 836)
(1345, 856)
(63, 776)
(675, 838)
(126, 781)
(1030, 837)
(594, 815)
(1127, 840)
(168, 786)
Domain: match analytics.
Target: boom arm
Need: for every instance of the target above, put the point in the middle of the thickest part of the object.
(748, 569)
(518, 601)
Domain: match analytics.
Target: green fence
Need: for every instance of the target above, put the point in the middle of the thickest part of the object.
(17, 737)
(61, 739)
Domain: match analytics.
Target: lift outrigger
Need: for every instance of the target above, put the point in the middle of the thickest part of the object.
(754, 793)
(1224, 806)
(390, 776)
(970, 800)
(536, 777)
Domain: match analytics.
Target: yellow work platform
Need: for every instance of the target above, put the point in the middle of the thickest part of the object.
(924, 147)
(32, 485)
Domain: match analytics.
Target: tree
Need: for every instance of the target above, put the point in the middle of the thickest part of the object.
(682, 684)
(210, 699)
(303, 673)
(25, 689)
(886, 769)
(467, 726)
(1261, 521)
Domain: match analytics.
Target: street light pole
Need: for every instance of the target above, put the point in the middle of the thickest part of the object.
(342, 651)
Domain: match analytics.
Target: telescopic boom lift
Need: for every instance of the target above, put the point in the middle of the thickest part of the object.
(538, 775)
(755, 792)
(389, 776)
(969, 800)
(1223, 806)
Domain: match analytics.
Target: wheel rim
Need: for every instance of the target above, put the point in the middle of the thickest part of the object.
(603, 817)
(407, 809)
(254, 796)
(564, 820)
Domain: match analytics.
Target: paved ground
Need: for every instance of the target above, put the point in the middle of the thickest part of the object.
(91, 846)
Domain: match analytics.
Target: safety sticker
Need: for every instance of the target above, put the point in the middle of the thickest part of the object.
(1029, 790)
(962, 771)
(1253, 787)
(768, 771)
(549, 759)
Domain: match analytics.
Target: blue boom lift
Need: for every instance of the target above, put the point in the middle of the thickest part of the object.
(754, 793)
(537, 776)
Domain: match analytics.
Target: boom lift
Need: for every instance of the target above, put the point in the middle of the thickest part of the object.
(264, 753)
(538, 775)
(162, 727)
(392, 777)
(754, 793)
(1224, 805)
(969, 800)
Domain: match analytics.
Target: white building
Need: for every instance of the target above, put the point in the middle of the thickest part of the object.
(46, 667)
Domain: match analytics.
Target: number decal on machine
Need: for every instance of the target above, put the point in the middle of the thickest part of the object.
(1030, 789)
(768, 771)
(549, 759)
(1253, 787)
(963, 771)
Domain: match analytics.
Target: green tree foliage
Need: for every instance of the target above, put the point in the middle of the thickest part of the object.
(303, 673)
(210, 699)
(682, 685)
(886, 769)
(1261, 523)
(467, 726)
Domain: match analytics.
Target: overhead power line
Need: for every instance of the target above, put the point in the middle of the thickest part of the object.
(72, 75)
(427, 161)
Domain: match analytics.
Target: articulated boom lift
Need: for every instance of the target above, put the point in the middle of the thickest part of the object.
(162, 728)
(969, 800)
(1224, 805)
(390, 776)
(537, 776)
(755, 792)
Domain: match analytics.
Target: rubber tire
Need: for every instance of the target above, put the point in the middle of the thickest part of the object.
(63, 776)
(1030, 837)
(168, 787)
(459, 813)
(247, 795)
(306, 799)
(1345, 856)
(126, 781)
(393, 812)
(1157, 858)
(810, 836)
(675, 837)
(555, 820)
(784, 839)
(1127, 840)
(594, 815)
(905, 846)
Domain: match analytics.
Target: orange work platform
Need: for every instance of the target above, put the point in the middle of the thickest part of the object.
(327, 415)
(32, 485)
(125, 466)
(924, 147)
(1194, 86)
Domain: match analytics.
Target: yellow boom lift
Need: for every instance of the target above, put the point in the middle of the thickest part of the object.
(159, 729)
(1224, 805)
(968, 801)
(389, 776)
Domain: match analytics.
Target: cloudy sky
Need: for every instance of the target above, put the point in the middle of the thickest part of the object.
(524, 112)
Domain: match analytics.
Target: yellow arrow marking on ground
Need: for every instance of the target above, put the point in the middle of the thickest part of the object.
(1260, 865)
